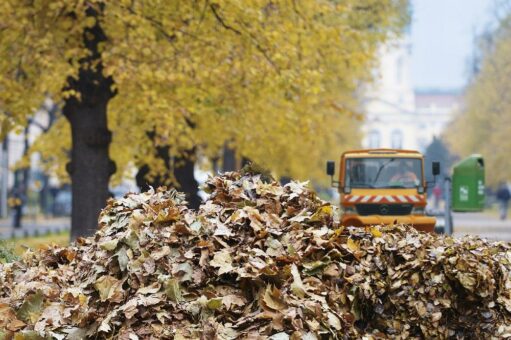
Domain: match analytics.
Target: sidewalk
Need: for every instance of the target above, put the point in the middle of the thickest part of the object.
(482, 224)
(33, 226)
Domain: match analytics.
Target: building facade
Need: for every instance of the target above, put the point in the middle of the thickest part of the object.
(397, 116)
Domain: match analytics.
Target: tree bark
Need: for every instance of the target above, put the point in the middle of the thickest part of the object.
(229, 159)
(285, 180)
(4, 180)
(44, 194)
(183, 170)
(184, 174)
(214, 164)
(17, 194)
(143, 182)
(181, 167)
(90, 167)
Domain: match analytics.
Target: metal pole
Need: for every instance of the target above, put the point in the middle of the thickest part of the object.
(4, 180)
(448, 200)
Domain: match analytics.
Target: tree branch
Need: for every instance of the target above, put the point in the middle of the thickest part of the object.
(221, 20)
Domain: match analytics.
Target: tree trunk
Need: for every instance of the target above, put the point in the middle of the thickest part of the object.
(142, 179)
(26, 170)
(4, 180)
(44, 194)
(214, 164)
(285, 180)
(90, 167)
(245, 161)
(184, 174)
(181, 167)
(229, 159)
(17, 194)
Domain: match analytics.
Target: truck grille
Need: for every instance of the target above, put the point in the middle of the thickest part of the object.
(384, 209)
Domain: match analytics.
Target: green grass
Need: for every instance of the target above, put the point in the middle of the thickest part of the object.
(7, 252)
(20, 245)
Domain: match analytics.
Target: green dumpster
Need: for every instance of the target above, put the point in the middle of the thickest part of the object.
(468, 184)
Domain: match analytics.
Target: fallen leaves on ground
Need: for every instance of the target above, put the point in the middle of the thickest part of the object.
(257, 261)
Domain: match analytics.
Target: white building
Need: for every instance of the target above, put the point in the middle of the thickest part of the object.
(396, 115)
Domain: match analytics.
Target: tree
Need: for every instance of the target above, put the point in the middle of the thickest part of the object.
(437, 151)
(483, 124)
(274, 78)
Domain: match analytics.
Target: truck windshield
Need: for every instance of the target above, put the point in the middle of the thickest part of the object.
(383, 173)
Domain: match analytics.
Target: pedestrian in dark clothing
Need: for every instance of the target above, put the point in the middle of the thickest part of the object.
(503, 196)
(17, 201)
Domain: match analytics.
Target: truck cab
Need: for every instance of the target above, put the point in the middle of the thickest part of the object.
(383, 187)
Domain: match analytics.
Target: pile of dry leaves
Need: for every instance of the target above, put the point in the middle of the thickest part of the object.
(258, 260)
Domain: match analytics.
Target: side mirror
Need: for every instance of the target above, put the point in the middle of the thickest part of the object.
(330, 168)
(435, 168)
(330, 171)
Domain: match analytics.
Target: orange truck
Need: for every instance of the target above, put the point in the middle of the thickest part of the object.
(383, 186)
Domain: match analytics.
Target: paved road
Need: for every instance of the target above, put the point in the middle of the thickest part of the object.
(482, 224)
(31, 227)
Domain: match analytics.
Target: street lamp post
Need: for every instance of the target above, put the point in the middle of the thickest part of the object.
(4, 177)
(448, 229)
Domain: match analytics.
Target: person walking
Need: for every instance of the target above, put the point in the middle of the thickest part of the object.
(503, 196)
(437, 196)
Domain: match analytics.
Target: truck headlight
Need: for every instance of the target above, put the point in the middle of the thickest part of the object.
(348, 210)
(418, 210)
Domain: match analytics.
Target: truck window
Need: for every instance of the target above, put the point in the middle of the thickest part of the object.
(383, 172)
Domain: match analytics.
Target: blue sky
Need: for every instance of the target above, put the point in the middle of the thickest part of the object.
(442, 36)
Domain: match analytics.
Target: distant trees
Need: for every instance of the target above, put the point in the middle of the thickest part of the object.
(273, 79)
(484, 124)
(438, 151)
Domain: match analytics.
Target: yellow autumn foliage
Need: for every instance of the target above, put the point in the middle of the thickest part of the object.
(275, 79)
(484, 123)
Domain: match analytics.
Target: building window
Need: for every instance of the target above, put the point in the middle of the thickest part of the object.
(374, 139)
(397, 139)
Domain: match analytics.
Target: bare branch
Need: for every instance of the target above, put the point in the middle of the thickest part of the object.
(221, 20)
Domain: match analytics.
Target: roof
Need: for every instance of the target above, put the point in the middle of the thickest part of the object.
(437, 98)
